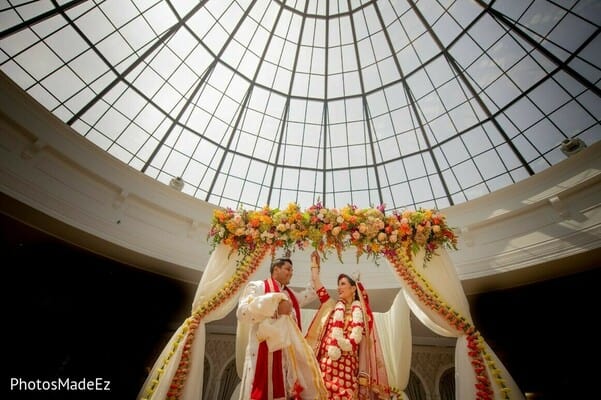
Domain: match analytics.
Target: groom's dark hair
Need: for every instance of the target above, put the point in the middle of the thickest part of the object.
(278, 262)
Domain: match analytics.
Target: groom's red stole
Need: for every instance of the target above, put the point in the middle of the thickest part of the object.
(260, 386)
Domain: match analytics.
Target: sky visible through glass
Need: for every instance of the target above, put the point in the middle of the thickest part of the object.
(406, 103)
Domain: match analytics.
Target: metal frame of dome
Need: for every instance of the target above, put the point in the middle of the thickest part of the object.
(405, 103)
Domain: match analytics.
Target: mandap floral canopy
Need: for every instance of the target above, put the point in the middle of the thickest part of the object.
(414, 243)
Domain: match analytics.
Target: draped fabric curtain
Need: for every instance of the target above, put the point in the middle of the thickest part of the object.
(434, 294)
(394, 331)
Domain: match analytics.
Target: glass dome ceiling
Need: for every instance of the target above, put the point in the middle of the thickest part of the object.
(406, 103)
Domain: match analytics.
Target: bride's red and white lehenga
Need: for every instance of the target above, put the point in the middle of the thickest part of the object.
(344, 339)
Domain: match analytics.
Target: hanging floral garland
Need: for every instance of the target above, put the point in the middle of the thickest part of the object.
(368, 230)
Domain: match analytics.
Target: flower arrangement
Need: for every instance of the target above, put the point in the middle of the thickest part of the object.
(368, 230)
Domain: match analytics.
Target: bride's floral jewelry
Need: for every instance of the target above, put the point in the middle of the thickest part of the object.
(337, 342)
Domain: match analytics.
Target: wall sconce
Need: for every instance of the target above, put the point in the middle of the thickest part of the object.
(177, 183)
(572, 146)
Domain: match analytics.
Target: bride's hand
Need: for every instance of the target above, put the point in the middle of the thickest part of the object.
(315, 267)
(315, 259)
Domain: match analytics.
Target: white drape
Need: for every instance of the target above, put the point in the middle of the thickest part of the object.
(440, 273)
(394, 331)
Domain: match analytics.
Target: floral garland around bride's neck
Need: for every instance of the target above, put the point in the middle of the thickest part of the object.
(337, 342)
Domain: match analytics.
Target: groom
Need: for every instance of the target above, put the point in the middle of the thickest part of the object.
(278, 363)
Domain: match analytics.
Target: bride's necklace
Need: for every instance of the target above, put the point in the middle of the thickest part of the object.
(337, 341)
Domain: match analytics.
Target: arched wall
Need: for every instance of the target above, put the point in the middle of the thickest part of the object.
(442, 368)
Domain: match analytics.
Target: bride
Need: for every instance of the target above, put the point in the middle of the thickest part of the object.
(344, 339)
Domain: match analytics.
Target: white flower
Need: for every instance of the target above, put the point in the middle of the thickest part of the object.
(337, 333)
(334, 353)
(344, 344)
(356, 334)
(357, 314)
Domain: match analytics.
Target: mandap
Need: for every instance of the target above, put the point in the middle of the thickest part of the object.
(414, 243)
